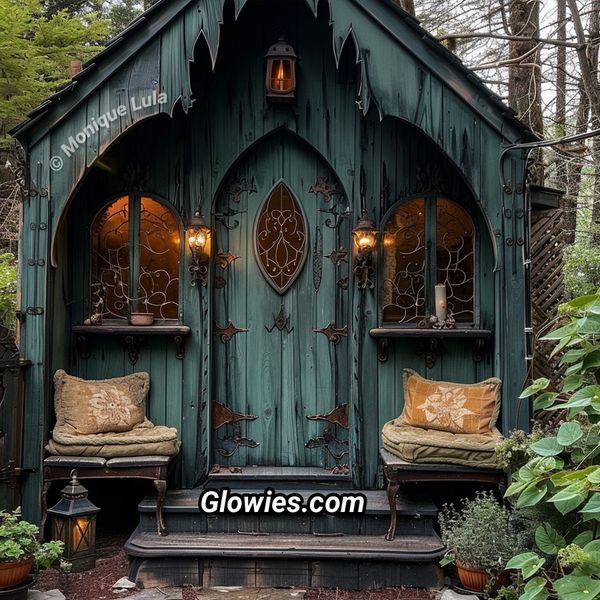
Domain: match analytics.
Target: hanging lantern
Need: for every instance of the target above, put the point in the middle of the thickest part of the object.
(365, 239)
(74, 524)
(199, 236)
(281, 71)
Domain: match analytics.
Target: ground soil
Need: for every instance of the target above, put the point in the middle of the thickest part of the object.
(112, 564)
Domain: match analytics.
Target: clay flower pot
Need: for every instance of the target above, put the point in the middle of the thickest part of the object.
(472, 578)
(141, 319)
(15, 572)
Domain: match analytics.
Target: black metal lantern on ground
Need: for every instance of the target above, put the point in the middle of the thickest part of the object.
(74, 524)
(281, 71)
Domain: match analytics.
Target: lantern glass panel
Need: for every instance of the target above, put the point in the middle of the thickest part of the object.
(80, 534)
(281, 77)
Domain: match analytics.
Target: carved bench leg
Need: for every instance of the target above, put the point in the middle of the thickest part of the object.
(161, 488)
(45, 488)
(392, 492)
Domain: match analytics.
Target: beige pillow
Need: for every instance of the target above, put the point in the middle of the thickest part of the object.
(453, 407)
(108, 405)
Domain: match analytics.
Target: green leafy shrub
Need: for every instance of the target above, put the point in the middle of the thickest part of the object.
(8, 290)
(481, 533)
(560, 476)
(581, 269)
(19, 539)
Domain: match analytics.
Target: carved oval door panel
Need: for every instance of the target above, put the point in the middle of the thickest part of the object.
(281, 238)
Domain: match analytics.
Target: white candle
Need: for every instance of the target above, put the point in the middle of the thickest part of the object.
(440, 302)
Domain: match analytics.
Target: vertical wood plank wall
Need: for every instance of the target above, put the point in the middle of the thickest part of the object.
(188, 156)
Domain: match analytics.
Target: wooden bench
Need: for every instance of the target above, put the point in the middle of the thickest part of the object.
(154, 468)
(398, 471)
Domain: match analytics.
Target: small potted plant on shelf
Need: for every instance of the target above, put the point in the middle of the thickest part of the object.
(20, 549)
(480, 538)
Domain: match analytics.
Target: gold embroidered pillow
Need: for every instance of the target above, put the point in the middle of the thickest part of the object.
(453, 407)
(103, 406)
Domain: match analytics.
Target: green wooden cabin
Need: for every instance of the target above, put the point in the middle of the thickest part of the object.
(278, 316)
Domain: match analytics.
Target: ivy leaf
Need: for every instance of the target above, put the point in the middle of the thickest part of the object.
(539, 385)
(571, 383)
(582, 301)
(561, 332)
(594, 475)
(529, 563)
(583, 397)
(531, 495)
(544, 400)
(547, 447)
(592, 361)
(535, 589)
(569, 433)
(548, 540)
(592, 509)
(585, 537)
(576, 587)
(570, 497)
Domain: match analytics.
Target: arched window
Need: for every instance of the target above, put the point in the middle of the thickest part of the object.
(135, 248)
(428, 241)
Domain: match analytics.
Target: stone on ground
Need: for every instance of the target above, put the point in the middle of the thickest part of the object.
(158, 594)
(50, 595)
(452, 595)
(123, 584)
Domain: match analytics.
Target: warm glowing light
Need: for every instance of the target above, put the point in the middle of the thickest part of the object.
(366, 242)
(78, 531)
(280, 76)
(441, 302)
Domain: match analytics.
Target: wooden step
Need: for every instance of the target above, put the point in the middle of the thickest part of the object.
(257, 476)
(407, 504)
(284, 560)
(415, 516)
(224, 545)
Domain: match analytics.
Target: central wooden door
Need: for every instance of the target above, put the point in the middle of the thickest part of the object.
(281, 306)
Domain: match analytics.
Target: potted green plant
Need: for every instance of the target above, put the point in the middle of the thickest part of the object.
(20, 549)
(480, 538)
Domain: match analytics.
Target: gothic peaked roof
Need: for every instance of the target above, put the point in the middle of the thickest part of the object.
(172, 27)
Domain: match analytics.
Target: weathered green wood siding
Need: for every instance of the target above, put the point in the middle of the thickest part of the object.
(403, 82)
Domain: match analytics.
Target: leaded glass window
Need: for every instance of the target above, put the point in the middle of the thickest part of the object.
(428, 241)
(135, 249)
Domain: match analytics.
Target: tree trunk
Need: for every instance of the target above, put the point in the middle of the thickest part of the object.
(594, 33)
(407, 5)
(524, 78)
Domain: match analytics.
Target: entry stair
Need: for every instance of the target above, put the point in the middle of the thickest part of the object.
(346, 551)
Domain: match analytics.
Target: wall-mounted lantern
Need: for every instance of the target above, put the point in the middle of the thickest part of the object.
(74, 524)
(199, 236)
(365, 239)
(281, 72)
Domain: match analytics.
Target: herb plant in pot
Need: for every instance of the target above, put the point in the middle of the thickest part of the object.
(480, 537)
(20, 549)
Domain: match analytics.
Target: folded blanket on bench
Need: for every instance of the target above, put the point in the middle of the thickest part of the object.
(143, 440)
(415, 444)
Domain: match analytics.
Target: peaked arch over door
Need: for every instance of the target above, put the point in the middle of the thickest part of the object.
(281, 310)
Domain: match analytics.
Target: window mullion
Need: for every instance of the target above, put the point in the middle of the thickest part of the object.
(134, 249)
(431, 253)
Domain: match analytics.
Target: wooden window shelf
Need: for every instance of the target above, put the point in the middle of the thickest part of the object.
(133, 337)
(429, 340)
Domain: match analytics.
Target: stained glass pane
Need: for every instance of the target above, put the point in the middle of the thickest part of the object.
(110, 260)
(158, 281)
(404, 263)
(281, 238)
(455, 239)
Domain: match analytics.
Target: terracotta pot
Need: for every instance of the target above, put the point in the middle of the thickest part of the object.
(15, 572)
(141, 318)
(472, 578)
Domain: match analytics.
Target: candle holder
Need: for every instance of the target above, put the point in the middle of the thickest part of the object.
(434, 322)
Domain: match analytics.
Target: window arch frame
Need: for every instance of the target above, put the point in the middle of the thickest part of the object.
(430, 267)
(135, 199)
